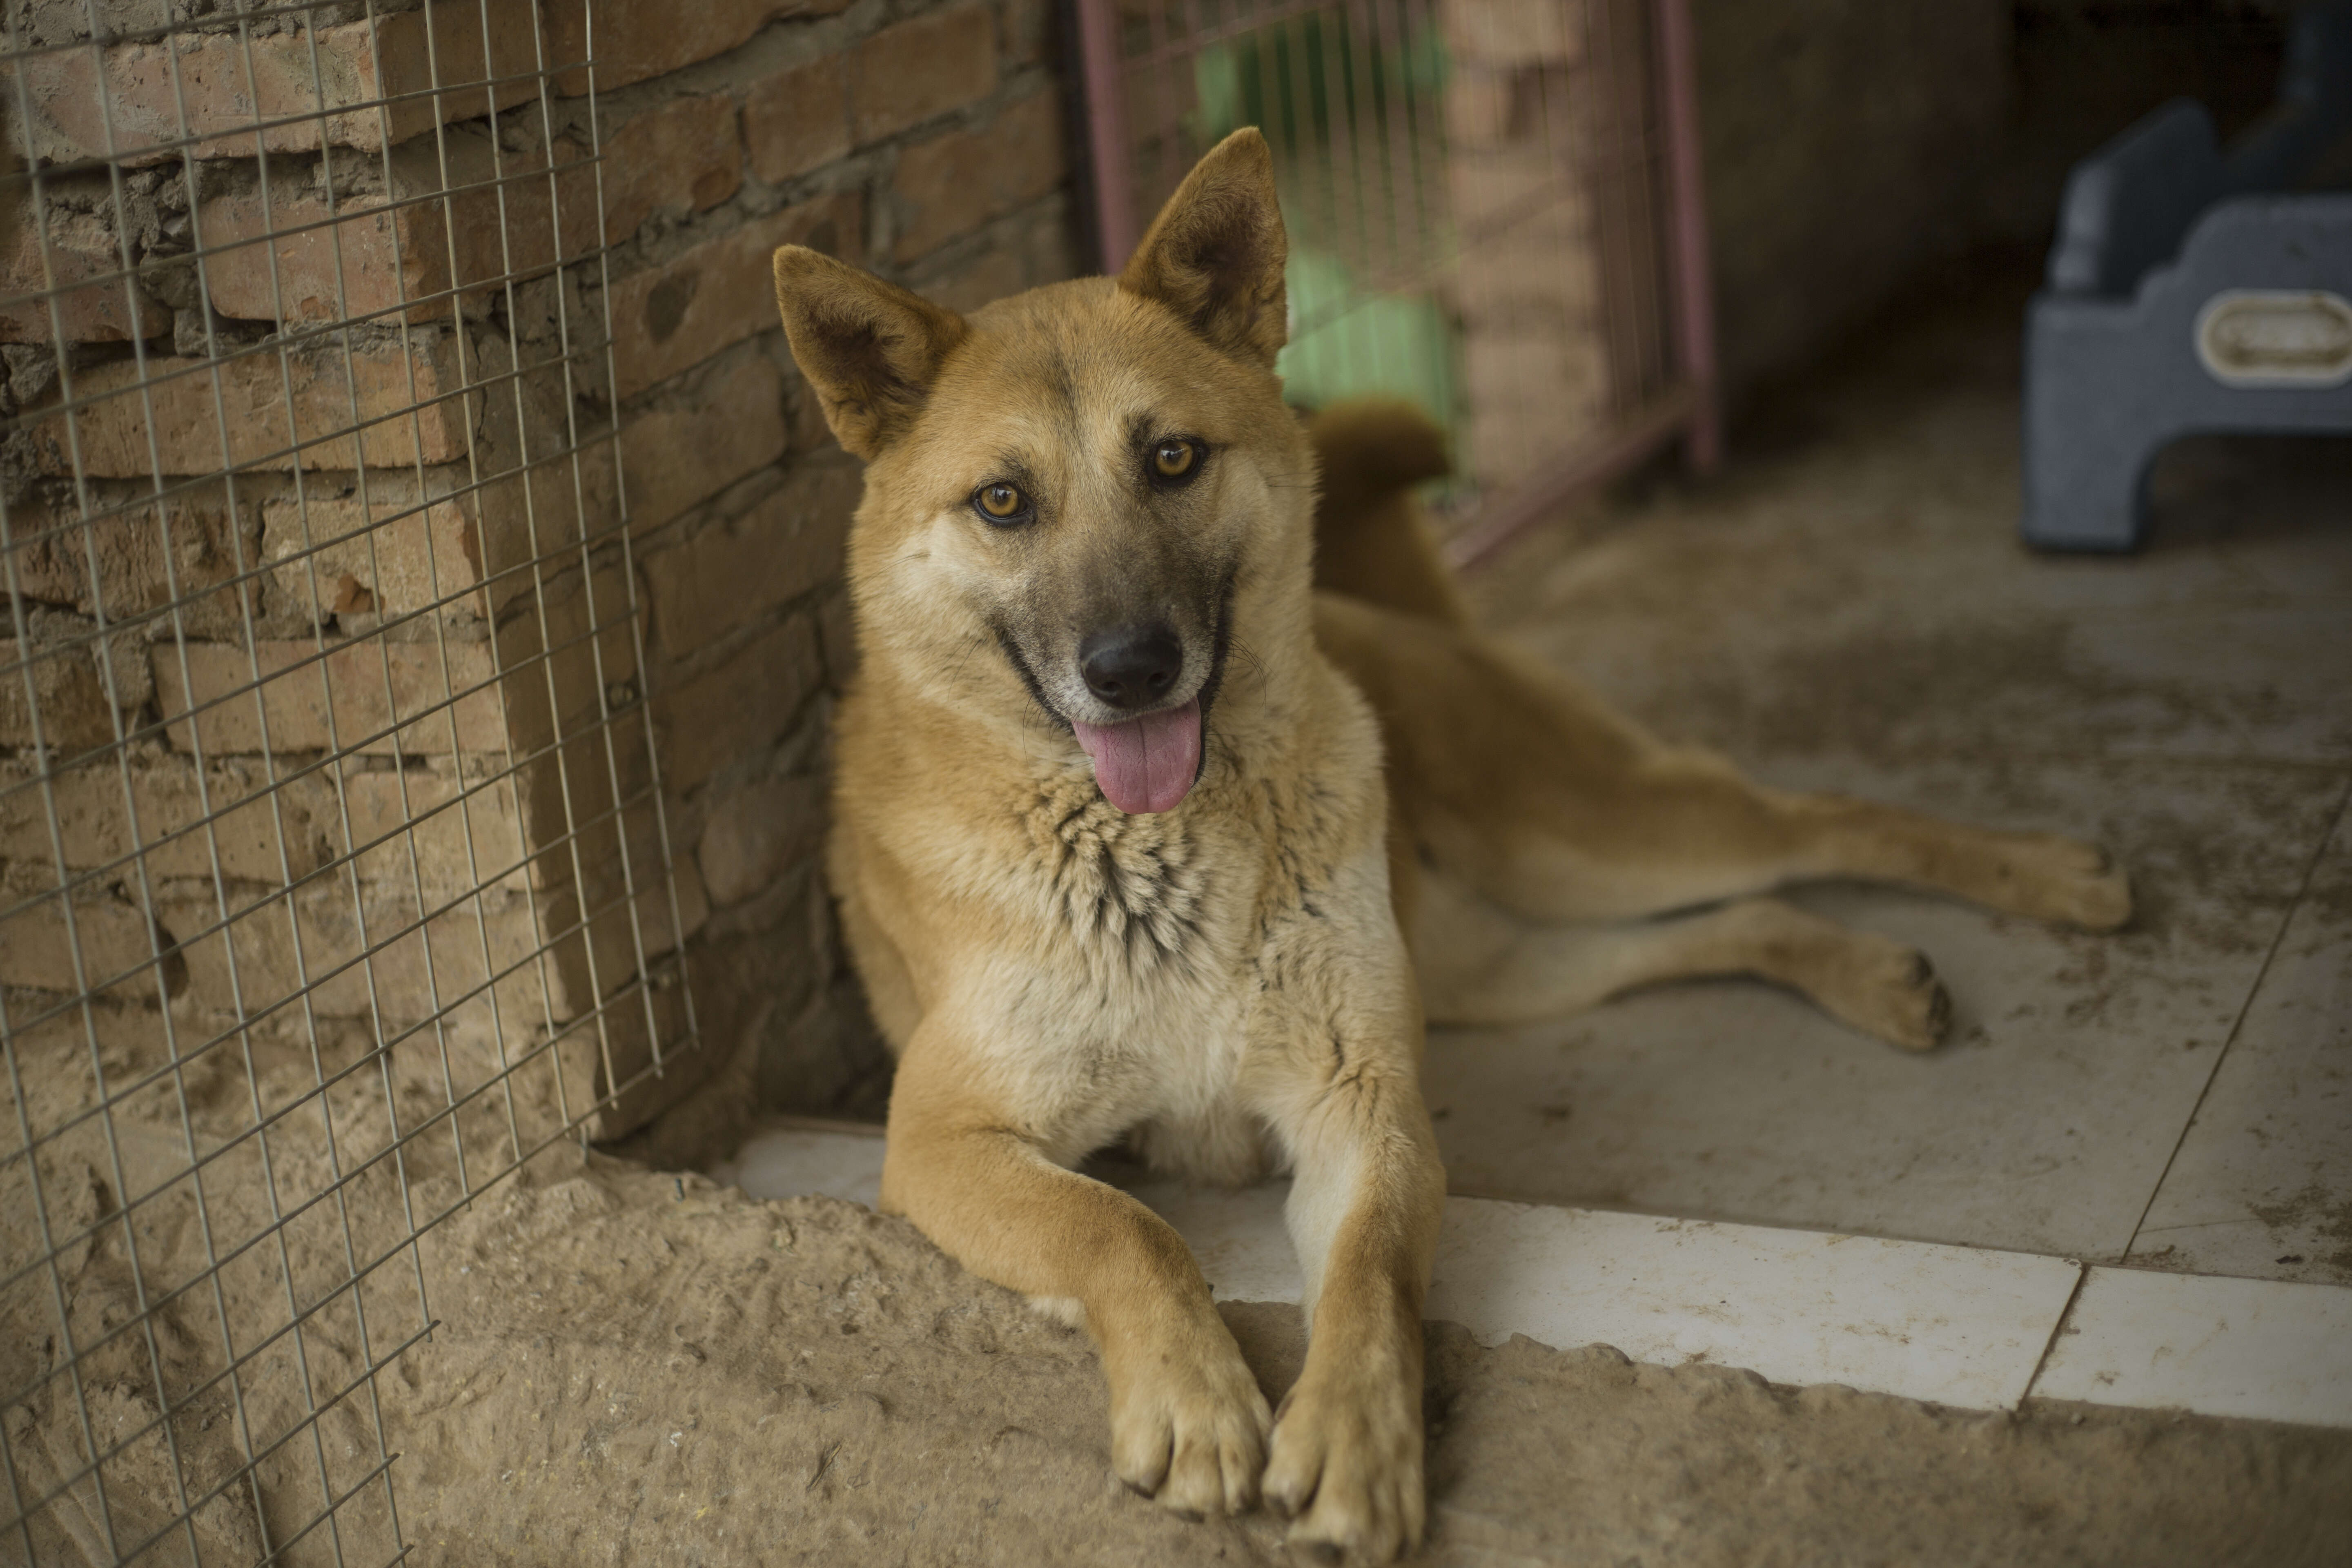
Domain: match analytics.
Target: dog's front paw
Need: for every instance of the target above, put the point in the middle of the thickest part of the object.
(1346, 1466)
(1188, 1426)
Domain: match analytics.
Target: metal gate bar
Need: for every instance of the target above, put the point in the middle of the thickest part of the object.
(1619, 125)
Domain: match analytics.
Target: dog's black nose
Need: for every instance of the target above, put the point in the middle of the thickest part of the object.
(1131, 667)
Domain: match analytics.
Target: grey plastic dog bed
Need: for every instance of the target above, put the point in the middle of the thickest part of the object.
(2190, 292)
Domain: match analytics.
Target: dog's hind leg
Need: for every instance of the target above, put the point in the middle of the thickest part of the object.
(1533, 791)
(1479, 966)
(1683, 828)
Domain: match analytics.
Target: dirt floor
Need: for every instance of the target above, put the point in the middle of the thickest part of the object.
(641, 1369)
(637, 1367)
(631, 1366)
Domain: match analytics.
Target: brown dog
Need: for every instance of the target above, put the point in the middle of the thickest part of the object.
(1116, 855)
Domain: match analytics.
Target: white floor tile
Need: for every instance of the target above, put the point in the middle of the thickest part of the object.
(1238, 1236)
(1950, 1324)
(2259, 1348)
(2261, 1187)
(1944, 1323)
(795, 1162)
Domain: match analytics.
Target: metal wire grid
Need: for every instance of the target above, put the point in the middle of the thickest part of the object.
(211, 1200)
(1493, 209)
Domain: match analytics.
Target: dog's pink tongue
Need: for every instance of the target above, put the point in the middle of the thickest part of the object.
(1146, 764)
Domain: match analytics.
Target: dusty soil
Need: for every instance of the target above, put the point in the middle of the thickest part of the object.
(634, 1367)
(642, 1369)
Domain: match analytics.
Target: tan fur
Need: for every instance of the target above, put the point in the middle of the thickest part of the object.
(1551, 829)
(1225, 984)
(1371, 541)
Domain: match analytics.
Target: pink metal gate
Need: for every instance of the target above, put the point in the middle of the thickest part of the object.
(1494, 208)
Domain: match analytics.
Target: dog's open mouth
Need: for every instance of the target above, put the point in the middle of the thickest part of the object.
(1146, 764)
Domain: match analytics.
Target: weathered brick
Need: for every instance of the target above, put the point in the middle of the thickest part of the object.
(959, 180)
(189, 426)
(428, 815)
(1050, 245)
(491, 206)
(738, 707)
(673, 457)
(81, 246)
(721, 292)
(725, 577)
(990, 275)
(133, 1039)
(1494, 187)
(1480, 101)
(297, 698)
(536, 518)
(1512, 32)
(666, 929)
(67, 684)
(1541, 276)
(396, 564)
(684, 157)
(615, 938)
(920, 69)
(1521, 388)
(798, 120)
(584, 804)
(1031, 34)
(364, 953)
(144, 563)
(358, 63)
(624, 1065)
(576, 782)
(392, 257)
(829, 1059)
(586, 653)
(757, 832)
(381, 264)
(116, 941)
(245, 823)
(635, 41)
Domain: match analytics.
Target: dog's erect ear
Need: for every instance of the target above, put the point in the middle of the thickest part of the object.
(1215, 253)
(869, 348)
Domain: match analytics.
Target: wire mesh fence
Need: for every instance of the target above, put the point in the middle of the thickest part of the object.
(1493, 208)
(334, 875)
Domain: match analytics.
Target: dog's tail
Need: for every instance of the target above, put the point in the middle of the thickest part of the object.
(1371, 540)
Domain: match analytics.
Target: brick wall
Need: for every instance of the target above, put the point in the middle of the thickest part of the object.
(1561, 314)
(1846, 143)
(924, 140)
(1854, 147)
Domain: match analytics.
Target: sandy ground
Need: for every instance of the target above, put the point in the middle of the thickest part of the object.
(634, 1367)
(645, 1369)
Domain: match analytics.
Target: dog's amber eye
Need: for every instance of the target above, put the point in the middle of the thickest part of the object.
(1001, 503)
(1173, 460)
